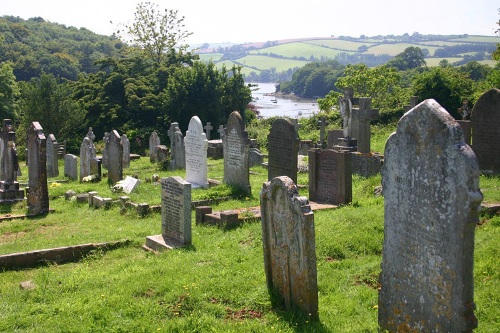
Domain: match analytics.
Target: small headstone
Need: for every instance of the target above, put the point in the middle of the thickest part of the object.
(283, 147)
(485, 119)
(430, 181)
(208, 128)
(96, 169)
(255, 157)
(126, 151)
(52, 159)
(115, 158)
(38, 194)
(154, 141)
(71, 166)
(129, 184)
(289, 246)
(196, 145)
(178, 151)
(366, 165)
(162, 152)
(236, 150)
(333, 138)
(330, 176)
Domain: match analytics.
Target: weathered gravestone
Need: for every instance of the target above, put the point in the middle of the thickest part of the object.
(196, 144)
(178, 151)
(236, 150)
(330, 176)
(360, 123)
(87, 153)
(175, 215)
(154, 141)
(283, 147)
(255, 157)
(485, 119)
(52, 159)
(38, 194)
(71, 166)
(208, 128)
(289, 246)
(430, 180)
(115, 158)
(9, 186)
(91, 135)
(104, 157)
(171, 132)
(126, 151)
(333, 137)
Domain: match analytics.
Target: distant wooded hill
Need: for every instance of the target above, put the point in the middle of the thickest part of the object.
(280, 58)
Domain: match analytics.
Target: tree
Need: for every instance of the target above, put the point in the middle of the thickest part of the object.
(496, 53)
(9, 91)
(411, 57)
(157, 33)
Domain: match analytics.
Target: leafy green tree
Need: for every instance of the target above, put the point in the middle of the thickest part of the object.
(411, 57)
(9, 91)
(476, 70)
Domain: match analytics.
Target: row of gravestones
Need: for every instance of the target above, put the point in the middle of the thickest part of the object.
(429, 221)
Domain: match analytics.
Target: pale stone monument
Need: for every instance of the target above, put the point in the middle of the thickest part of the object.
(52, 159)
(283, 148)
(38, 194)
(178, 160)
(154, 141)
(71, 166)
(288, 240)
(87, 153)
(236, 153)
(430, 180)
(126, 151)
(196, 145)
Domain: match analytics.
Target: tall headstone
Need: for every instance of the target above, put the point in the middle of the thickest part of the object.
(330, 176)
(175, 215)
(38, 194)
(87, 150)
(196, 144)
(71, 166)
(105, 149)
(236, 153)
(322, 128)
(430, 180)
(208, 128)
(9, 186)
(178, 151)
(289, 246)
(283, 147)
(485, 120)
(126, 151)
(360, 123)
(115, 158)
(52, 159)
(171, 132)
(154, 141)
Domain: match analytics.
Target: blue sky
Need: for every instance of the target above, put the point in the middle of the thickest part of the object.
(262, 20)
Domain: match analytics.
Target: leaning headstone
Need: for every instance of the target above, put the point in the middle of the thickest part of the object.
(38, 194)
(71, 166)
(115, 158)
(9, 186)
(330, 176)
(86, 154)
(236, 150)
(126, 151)
(178, 151)
(283, 147)
(430, 180)
(175, 215)
(52, 159)
(485, 119)
(289, 246)
(196, 145)
(154, 141)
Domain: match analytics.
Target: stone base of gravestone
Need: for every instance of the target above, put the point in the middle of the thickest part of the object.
(347, 144)
(162, 242)
(467, 129)
(333, 138)
(215, 149)
(10, 192)
(366, 165)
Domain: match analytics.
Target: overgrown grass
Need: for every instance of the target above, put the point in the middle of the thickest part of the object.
(218, 283)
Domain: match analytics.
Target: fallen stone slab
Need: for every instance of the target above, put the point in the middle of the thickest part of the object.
(55, 255)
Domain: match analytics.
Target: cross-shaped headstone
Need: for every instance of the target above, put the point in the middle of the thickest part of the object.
(171, 132)
(208, 127)
(322, 126)
(221, 131)
(360, 121)
(91, 135)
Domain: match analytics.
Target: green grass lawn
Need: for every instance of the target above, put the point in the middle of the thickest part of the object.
(217, 284)
(299, 49)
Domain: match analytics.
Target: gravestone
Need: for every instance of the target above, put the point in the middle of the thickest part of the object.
(333, 138)
(171, 132)
(37, 194)
(71, 166)
(175, 215)
(96, 168)
(126, 151)
(322, 128)
(196, 145)
(330, 176)
(289, 246)
(9, 186)
(129, 184)
(221, 131)
(115, 158)
(360, 123)
(178, 151)
(255, 157)
(52, 159)
(105, 151)
(87, 150)
(154, 141)
(236, 150)
(283, 147)
(162, 152)
(430, 180)
(91, 135)
(366, 165)
(208, 128)
(485, 120)
(467, 129)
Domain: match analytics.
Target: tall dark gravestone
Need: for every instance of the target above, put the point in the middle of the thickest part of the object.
(485, 120)
(38, 194)
(283, 149)
(430, 180)
(115, 158)
(289, 246)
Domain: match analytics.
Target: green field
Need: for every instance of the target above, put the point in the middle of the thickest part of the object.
(214, 57)
(339, 44)
(478, 39)
(395, 49)
(298, 50)
(434, 62)
(265, 62)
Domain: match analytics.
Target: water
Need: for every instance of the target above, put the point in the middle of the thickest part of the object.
(272, 106)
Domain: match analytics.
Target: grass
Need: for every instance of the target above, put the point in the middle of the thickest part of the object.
(218, 283)
(299, 49)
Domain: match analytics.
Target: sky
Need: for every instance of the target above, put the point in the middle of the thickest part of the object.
(236, 21)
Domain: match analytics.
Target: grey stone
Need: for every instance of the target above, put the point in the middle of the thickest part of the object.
(255, 157)
(115, 158)
(71, 166)
(208, 128)
(105, 149)
(87, 152)
(366, 165)
(360, 123)
(283, 147)
(288, 240)
(38, 194)
(126, 151)
(9, 186)
(178, 151)
(52, 159)
(154, 141)
(430, 180)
